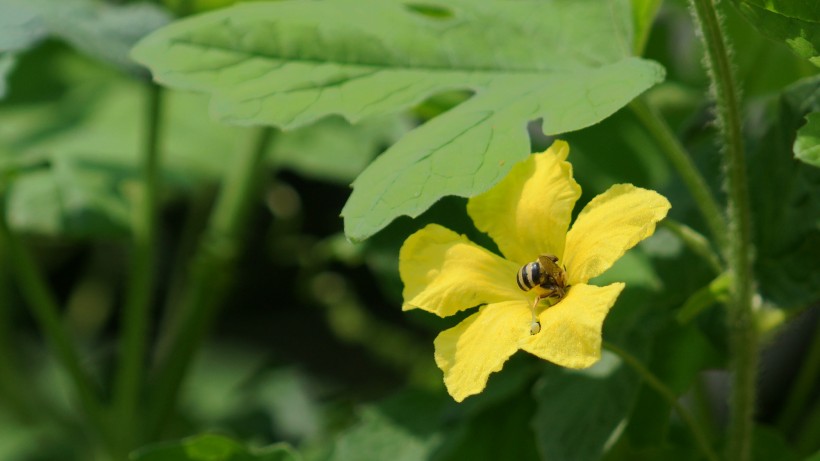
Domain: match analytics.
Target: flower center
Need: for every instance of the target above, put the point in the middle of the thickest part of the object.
(545, 276)
(548, 279)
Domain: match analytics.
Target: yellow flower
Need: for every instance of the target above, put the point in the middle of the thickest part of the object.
(527, 214)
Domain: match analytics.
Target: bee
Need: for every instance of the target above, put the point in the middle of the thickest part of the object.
(545, 274)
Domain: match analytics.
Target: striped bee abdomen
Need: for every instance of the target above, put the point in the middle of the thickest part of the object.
(530, 276)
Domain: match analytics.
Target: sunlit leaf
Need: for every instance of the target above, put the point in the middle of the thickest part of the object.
(807, 144)
(290, 63)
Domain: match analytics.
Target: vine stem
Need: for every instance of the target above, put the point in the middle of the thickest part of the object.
(210, 275)
(695, 242)
(682, 162)
(742, 334)
(700, 437)
(128, 382)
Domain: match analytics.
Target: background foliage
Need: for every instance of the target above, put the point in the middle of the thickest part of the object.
(176, 281)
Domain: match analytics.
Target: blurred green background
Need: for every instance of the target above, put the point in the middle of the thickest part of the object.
(308, 344)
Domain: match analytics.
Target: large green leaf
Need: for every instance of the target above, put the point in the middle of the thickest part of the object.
(787, 210)
(797, 23)
(212, 447)
(101, 30)
(290, 63)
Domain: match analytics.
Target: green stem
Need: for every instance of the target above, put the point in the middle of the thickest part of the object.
(805, 384)
(695, 242)
(656, 384)
(45, 310)
(196, 219)
(129, 379)
(743, 336)
(210, 275)
(682, 162)
(12, 389)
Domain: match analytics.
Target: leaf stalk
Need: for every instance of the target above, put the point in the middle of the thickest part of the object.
(129, 380)
(655, 383)
(210, 275)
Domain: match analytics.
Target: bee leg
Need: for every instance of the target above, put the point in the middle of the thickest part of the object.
(535, 326)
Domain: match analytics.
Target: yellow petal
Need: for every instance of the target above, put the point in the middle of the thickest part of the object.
(444, 272)
(478, 346)
(570, 333)
(528, 212)
(610, 224)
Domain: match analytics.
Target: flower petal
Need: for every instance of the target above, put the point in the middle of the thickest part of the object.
(478, 346)
(570, 333)
(610, 224)
(528, 212)
(444, 272)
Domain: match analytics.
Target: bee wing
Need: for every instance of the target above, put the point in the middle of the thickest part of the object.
(549, 264)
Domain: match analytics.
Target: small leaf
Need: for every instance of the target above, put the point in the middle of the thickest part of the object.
(797, 23)
(291, 63)
(679, 355)
(580, 412)
(212, 447)
(405, 427)
(807, 144)
(717, 291)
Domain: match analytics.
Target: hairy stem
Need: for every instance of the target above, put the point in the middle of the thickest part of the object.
(742, 335)
(700, 437)
(682, 162)
(130, 377)
(210, 275)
